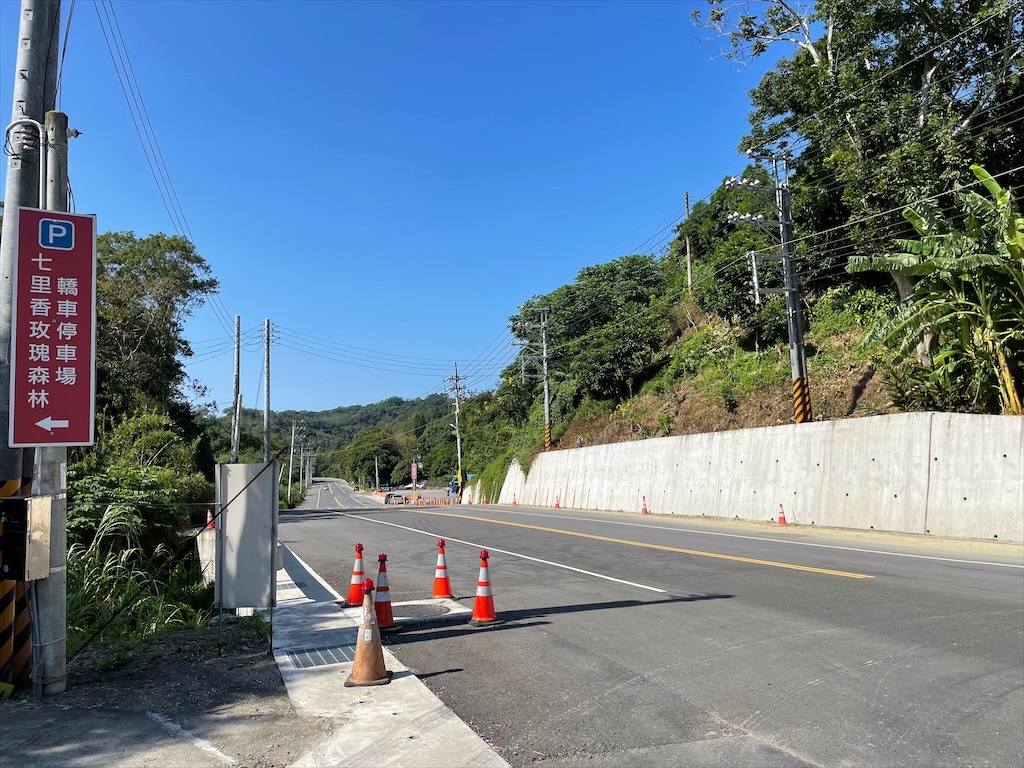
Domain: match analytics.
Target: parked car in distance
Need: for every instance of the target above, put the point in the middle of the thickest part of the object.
(393, 498)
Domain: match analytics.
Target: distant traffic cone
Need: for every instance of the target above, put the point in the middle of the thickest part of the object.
(188, 518)
(368, 665)
(782, 515)
(442, 586)
(643, 509)
(514, 500)
(382, 599)
(557, 505)
(483, 608)
(209, 519)
(355, 586)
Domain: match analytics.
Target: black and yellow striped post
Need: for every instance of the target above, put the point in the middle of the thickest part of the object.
(801, 401)
(547, 437)
(15, 629)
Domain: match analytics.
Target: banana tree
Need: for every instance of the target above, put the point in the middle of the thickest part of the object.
(969, 290)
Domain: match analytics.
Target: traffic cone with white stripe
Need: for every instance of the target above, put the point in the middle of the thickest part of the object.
(209, 519)
(355, 586)
(368, 662)
(483, 608)
(442, 585)
(382, 599)
(557, 505)
(782, 515)
(643, 510)
(514, 500)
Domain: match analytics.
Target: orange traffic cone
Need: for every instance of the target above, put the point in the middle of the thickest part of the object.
(483, 608)
(355, 587)
(557, 505)
(643, 509)
(368, 665)
(782, 515)
(188, 518)
(513, 500)
(442, 585)
(382, 599)
(209, 519)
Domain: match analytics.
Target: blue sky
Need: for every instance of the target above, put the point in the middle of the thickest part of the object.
(388, 181)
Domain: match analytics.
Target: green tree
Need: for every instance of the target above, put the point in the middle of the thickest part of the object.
(604, 328)
(969, 292)
(357, 461)
(145, 290)
(882, 104)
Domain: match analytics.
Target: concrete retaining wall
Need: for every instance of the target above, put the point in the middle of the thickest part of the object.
(946, 474)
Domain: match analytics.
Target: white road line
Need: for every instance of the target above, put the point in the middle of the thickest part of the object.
(765, 538)
(178, 732)
(506, 552)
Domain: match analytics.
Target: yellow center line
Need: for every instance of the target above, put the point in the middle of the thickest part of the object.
(662, 547)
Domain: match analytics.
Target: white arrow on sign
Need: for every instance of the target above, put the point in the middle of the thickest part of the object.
(49, 423)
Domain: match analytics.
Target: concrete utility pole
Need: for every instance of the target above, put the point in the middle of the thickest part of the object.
(51, 474)
(791, 289)
(376, 474)
(266, 386)
(291, 458)
(547, 392)
(689, 266)
(236, 401)
(35, 85)
(456, 387)
(797, 355)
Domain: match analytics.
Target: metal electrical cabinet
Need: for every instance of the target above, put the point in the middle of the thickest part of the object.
(246, 561)
(25, 538)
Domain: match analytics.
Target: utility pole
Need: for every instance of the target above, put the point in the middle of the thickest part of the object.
(291, 458)
(35, 85)
(543, 357)
(791, 290)
(797, 355)
(236, 401)
(266, 387)
(547, 392)
(50, 594)
(689, 266)
(457, 389)
(376, 474)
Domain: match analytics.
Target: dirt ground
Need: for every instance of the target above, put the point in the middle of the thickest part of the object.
(235, 700)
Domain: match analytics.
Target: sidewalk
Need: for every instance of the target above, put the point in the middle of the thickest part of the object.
(326, 724)
(399, 724)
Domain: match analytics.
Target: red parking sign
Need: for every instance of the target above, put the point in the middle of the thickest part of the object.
(53, 332)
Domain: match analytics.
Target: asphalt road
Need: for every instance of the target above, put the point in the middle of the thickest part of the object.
(634, 640)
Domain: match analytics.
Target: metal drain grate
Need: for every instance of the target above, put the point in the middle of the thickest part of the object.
(291, 585)
(321, 657)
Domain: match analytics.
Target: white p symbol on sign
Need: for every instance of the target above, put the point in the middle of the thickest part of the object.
(58, 234)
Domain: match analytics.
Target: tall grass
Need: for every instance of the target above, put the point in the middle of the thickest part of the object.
(120, 590)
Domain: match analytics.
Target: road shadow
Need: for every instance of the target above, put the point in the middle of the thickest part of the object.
(426, 675)
(426, 634)
(554, 610)
(529, 618)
